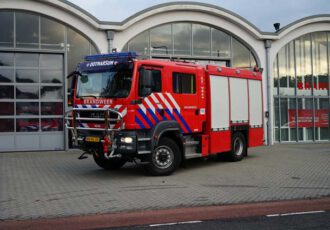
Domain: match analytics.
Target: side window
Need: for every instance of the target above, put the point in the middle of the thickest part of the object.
(184, 83)
(149, 81)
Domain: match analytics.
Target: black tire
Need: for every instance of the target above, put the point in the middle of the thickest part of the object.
(106, 164)
(238, 147)
(164, 159)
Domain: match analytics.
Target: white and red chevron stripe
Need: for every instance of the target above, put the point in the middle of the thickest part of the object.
(148, 114)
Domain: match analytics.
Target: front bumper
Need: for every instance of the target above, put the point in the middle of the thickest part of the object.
(116, 145)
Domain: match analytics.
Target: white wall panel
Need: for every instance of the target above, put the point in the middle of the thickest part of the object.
(239, 99)
(27, 141)
(255, 102)
(7, 142)
(52, 141)
(219, 102)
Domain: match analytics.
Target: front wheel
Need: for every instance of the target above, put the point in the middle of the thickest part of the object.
(111, 164)
(165, 158)
(238, 147)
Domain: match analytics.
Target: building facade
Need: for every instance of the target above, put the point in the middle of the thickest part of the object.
(42, 41)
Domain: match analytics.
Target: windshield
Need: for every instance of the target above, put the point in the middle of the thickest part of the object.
(112, 83)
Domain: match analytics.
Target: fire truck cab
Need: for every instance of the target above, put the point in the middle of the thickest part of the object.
(163, 112)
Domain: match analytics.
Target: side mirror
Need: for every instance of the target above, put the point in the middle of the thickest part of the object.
(145, 82)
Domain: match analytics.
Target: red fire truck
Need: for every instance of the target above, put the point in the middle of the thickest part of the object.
(163, 112)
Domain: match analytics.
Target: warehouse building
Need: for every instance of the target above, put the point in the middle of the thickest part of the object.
(42, 41)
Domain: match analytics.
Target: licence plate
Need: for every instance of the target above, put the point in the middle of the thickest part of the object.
(92, 139)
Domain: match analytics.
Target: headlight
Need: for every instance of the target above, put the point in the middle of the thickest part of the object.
(127, 140)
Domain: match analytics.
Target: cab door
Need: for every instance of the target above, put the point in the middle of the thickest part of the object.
(187, 98)
(150, 109)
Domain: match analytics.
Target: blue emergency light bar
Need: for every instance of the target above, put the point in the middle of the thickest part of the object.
(111, 56)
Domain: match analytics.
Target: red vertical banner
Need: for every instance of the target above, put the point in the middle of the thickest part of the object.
(305, 118)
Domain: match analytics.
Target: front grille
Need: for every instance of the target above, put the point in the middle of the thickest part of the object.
(98, 114)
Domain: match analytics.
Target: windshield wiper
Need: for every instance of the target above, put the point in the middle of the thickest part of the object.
(88, 96)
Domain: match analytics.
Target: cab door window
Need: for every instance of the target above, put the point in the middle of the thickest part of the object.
(150, 81)
(184, 83)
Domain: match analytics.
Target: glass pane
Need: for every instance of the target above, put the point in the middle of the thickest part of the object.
(284, 119)
(27, 76)
(140, 43)
(51, 76)
(6, 92)
(51, 61)
(305, 118)
(6, 125)
(27, 60)
(27, 30)
(277, 134)
(241, 55)
(51, 108)
(303, 65)
(7, 29)
(275, 77)
(6, 75)
(286, 70)
(6, 59)
(6, 108)
(51, 92)
(284, 134)
(220, 44)
(201, 40)
(322, 118)
(184, 83)
(27, 125)
(292, 113)
(320, 65)
(78, 48)
(276, 113)
(52, 34)
(27, 92)
(27, 108)
(182, 38)
(284, 112)
(161, 40)
(52, 124)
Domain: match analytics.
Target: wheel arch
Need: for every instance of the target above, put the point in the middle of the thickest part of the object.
(244, 129)
(169, 129)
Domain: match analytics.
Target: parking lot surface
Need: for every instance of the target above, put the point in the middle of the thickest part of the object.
(56, 184)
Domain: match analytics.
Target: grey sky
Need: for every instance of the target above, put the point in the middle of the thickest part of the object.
(261, 13)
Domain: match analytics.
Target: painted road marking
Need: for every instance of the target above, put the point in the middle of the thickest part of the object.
(176, 223)
(294, 213)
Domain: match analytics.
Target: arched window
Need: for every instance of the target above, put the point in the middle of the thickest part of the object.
(192, 41)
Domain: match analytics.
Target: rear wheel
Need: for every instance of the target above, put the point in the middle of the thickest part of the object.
(112, 164)
(165, 158)
(238, 147)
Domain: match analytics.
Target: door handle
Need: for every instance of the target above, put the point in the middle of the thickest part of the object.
(161, 112)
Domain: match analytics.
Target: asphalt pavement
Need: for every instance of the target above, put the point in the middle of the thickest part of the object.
(298, 221)
(37, 185)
